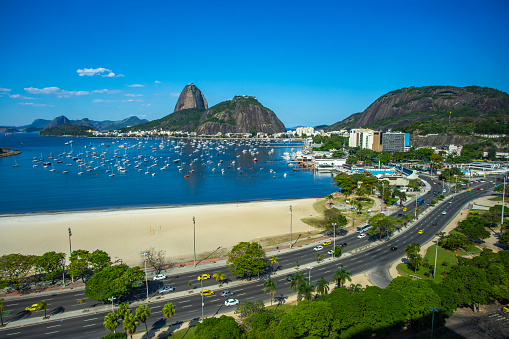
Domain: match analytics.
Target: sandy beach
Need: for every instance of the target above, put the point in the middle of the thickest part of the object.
(125, 234)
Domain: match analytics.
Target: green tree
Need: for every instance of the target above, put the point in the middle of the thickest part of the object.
(322, 287)
(112, 281)
(306, 320)
(130, 323)
(1, 312)
(42, 305)
(469, 284)
(52, 263)
(169, 311)
(318, 256)
(271, 285)
(15, 269)
(345, 182)
(111, 322)
(381, 224)
(247, 308)
(412, 248)
(337, 250)
(296, 279)
(246, 259)
(415, 260)
(306, 289)
(143, 313)
(81, 301)
(123, 310)
(351, 160)
(219, 275)
(222, 327)
(342, 275)
(79, 264)
(99, 260)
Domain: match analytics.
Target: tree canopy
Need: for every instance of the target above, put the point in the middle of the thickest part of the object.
(246, 259)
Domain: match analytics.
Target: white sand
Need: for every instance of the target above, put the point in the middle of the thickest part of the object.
(125, 234)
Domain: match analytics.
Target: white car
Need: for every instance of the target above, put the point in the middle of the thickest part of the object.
(318, 248)
(362, 235)
(330, 252)
(159, 277)
(444, 212)
(231, 302)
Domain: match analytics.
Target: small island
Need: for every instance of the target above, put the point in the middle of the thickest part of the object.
(7, 152)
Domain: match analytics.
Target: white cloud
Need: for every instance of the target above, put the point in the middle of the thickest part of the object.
(133, 95)
(18, 96)
(35, 105)
(135, 85)
(5, 89)
(92, 71)
(101, 100)
(174, 94)
(59, 93)
(107, 91)
(157, 82)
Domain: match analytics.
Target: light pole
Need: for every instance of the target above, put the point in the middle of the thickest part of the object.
(70, 248)
(310, 268)
(433, 309)
(63, 271)
(258, 247)
(291, 226)
(503, 203)
(436, 254)
(202, 304)
(146, 279)
(194, 240)
(334, 245)
(112, 298)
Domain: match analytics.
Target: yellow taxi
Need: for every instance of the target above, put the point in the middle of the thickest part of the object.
(206, 292)
(506, 308)
(404, 209)
(325, 243)
(204, 276)
(31, 308)
(481, 189)
(470, 190)
(420, 232)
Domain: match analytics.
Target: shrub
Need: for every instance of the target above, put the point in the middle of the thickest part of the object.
(445, 263)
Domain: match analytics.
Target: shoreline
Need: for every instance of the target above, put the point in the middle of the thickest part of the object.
(125, 233)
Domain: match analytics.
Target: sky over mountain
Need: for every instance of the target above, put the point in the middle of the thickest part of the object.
(310, 62)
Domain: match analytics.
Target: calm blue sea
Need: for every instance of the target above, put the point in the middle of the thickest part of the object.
(170, 172)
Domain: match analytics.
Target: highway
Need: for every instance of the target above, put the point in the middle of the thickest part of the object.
(188, 307)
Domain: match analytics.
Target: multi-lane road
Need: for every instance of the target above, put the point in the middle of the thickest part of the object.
(188, 307)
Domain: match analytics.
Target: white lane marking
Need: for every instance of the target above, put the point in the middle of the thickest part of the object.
(90, 319)
(13, 333)
(187, 306)
(12, 304)
(53, 326)
(157, 312)
(241, 293)
(52, 332)
(89, 325)
(184, 301)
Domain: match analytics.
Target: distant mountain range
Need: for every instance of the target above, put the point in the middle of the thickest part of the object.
(106, 125)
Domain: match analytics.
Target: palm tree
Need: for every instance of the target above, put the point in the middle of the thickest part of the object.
(190, 283)
(111, 322)
(355, 288)
(130, 323)
(273, 261)
(412, 248)
(296, 279)
(219, 275)
(270, 284)
(415, 260)
(342, 275)
(322, 287)
(142, 313)
(306, 289)
(1, 312)
(319, 257)
(123, 310)
(81, 301)
(168, 312)
(42, 305)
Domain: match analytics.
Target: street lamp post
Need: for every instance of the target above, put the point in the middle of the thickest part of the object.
(436, 254)
(202, 304)
(334, 245)
(503, 203)
(258, 247)
(291, 226)
(310, 268)
(70, 250)
(146, 279)
(194, 240)
(63, 271)
(112, 298)
(433, 309)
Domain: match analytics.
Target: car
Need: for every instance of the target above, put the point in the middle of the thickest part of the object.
(393, 248)
(469, 190)
(231, 302)
(362, 235)
(404, 209)
(159, 277)
(226, 293)
(443, 190)
(434, 183)
(434, 224)
(330, 252)
(166, 289)
(400, 215)
(318, 248)
(428, 204)
(343, 244)
(444, 212)
(31, 308)
(327, 242)
(478, 188)
(420, 232)
(506, 308)
(436, 186)
(450, 201)
(204, 276)
(206, 292)
(481, 189)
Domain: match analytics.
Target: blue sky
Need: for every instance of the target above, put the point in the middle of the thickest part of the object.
(310, 62)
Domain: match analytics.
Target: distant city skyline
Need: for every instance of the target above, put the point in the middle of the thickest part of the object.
(311, 63)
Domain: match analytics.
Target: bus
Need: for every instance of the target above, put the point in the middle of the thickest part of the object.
(363, 228)
(420, 201)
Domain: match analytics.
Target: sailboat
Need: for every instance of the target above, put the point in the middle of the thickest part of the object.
(15, 164)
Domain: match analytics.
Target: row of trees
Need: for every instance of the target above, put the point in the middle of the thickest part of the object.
(18, 270)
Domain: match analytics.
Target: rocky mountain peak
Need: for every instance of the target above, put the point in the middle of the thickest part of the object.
(191, 97)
